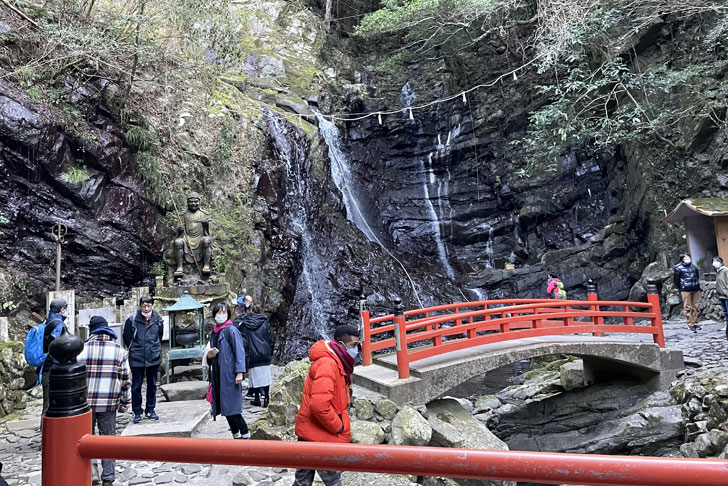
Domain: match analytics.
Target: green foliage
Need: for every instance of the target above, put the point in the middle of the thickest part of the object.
(148, 166)
(231, 231)
(159, 268)
(76, 175)
(141, 139)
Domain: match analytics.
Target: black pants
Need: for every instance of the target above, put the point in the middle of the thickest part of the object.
(137, 377)
(237, 424)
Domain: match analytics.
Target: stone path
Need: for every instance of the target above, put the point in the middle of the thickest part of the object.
(20, 438)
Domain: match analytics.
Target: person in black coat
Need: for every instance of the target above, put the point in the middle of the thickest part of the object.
(257, 341)
(687, 281)
(143, 337)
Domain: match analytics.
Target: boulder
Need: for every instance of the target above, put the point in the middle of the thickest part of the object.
(364, 409)
(387, 409)
(572, 375)
(486, 403)
(453, 426)
(710, 444)
(410, 428)
(185, 390)
(363, 432)
(279, 419)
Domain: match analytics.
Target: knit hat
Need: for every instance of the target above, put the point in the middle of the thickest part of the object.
(58, 304)
(96, 322)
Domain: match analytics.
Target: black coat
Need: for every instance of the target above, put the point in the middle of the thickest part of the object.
(686, 277)
(144, 341)
(256, 339)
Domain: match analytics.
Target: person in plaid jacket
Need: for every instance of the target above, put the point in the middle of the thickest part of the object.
(108, 383)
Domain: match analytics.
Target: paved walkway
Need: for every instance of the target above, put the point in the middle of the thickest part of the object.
(20, 438)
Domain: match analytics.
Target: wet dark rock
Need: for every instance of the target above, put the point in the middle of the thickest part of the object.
(114, 232)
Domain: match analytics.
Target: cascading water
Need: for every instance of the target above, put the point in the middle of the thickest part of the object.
(294, 158)
(427, 179)
(342, 176)
(489, 254)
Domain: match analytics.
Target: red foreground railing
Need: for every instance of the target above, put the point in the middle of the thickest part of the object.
(441, 329)
(68, 448)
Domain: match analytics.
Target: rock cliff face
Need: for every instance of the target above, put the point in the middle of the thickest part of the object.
(83, 179)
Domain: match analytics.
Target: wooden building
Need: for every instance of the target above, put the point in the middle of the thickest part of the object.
(706, 228)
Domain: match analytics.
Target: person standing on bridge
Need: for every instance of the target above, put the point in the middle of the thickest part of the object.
(323, 415)
(685, 276)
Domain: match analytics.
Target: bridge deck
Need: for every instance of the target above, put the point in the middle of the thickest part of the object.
(430, 377)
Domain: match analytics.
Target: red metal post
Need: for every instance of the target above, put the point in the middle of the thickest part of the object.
(68, 418)
(400, 336)
(592, 296)
(366, 339)
(653, 298)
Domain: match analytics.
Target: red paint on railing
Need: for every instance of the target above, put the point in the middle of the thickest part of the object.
(509, 320)
(542, 467)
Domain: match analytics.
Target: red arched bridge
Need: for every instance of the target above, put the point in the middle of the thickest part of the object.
(436, 348)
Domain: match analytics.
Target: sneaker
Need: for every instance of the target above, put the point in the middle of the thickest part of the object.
(137, 418)
(699, 327)
(694, 329)
(250, 396)
(152, 416)
(245, 435)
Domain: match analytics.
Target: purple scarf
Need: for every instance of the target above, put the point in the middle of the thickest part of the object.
(346, 360)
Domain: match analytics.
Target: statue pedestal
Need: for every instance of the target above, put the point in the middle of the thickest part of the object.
(204, 292)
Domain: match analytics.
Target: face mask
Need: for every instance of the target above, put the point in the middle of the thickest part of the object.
(147, 314)
(220, 319)
(687, 261)
(353, 352)
(717, 265)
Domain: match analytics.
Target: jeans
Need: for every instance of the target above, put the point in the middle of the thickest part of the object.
(106, 423)
(137, 377)
(724, 306)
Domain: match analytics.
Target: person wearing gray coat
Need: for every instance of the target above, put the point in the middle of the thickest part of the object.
(721, 288)
(226, 358)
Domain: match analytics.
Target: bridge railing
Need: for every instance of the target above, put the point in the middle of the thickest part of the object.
(446, 328)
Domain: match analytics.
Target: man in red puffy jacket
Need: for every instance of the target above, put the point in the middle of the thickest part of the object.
(323, 415)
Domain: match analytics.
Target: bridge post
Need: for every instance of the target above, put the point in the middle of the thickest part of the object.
(400, 336)
(366, 338)
(591, 295)
(68, 417)
(653, 297)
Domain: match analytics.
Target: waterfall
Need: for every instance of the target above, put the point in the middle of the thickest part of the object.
(490, 263)
(341, 173)
(407, 95)
(293, 156)
(342, 176)
(480, 294)
(434, 220)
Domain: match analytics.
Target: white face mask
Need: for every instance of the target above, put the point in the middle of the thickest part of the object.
(687, 261)
(147, 314)
(717, 265)
(220, 319)
(353, 352)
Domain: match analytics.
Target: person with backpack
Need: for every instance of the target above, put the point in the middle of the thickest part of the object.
(554, 287)
(257, 341)
(226, 357)
(143, 338)
(108, 384)
(54, 325)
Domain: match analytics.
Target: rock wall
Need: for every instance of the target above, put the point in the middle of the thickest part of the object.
(13, 382)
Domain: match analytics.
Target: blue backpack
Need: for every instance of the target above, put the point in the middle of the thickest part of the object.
(34, 354)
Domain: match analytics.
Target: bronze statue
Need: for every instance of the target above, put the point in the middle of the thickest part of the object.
(193, 244)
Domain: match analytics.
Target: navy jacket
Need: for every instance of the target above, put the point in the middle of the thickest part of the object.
(144, 341)
(257, 339)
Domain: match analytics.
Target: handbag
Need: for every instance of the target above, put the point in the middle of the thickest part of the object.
(209, 393)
